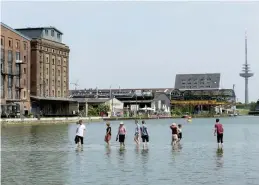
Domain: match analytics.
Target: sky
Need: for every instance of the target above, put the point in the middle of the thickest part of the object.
(145, 44)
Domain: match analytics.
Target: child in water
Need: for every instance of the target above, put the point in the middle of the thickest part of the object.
(179, 132)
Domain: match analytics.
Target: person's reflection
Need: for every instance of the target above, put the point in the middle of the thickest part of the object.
(144, 161)
(108, 151)
(219, 158)
(177, 148)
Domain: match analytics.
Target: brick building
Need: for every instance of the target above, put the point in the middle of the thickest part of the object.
(49, 71)
(15, 72)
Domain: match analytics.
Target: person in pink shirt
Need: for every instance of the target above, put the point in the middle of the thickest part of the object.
(121, 134)
(219, 131)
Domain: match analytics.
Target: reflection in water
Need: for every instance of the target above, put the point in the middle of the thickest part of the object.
(108, 150)
(219, 158)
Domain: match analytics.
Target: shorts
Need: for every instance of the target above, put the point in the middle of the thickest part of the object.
(220, 138)
(121, 138)
(180, 135)
(174, 137)
(145, 138)
(107, 137)
(79, 138)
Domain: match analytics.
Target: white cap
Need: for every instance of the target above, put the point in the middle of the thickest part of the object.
(121, 123)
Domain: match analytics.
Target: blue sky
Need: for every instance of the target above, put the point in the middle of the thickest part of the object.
(145, 44)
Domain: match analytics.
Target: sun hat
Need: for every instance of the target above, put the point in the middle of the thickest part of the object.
(108, 123)
(174, 124)
(121, 123)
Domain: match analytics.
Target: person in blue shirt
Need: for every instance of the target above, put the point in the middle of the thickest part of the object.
(144, 134)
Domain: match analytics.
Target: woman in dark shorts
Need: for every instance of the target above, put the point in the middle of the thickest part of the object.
(108, 134)
(179, 132)
(121, 134)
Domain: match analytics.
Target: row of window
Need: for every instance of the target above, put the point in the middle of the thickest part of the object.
(10, 94)
(10, 56)
(52, 33)
(52, 93)
(53, 61)
(53, 83)
(54, 51)
(10, 81)
(10, 43)
(53, 72)
(194, 87)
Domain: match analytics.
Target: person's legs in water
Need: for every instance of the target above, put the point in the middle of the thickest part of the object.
(136, 139)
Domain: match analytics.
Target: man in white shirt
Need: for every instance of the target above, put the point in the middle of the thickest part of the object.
(80, 133)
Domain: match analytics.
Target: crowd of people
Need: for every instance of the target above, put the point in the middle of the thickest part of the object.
(142, 133)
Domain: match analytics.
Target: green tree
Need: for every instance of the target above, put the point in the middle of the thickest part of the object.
(252, 106)
(103, 108)
(92, 111)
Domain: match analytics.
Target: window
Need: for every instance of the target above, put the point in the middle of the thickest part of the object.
(59, 62)
(46, 32)
(64, 82)
(47, 92)
(53, 82)
(58, 35)
(47, 71)
(47, 59)
(53, 93)
(64, 93)
(47, 81)
(24, 46)
(2, 87)
(17, 55)
(17, 67)
(53, 73)
(24, 94)
(10, 43)
(24, 70)
(58, 93)
(53, 61)
(10, 56)
(2, 41)
(24, 82)
(24, 59)
(58, 83)
(10, 93)
(17, 94)
(17, 45)
(58, 72)
(52, 33)
(17, 83)
(2, 54)
(10, 81)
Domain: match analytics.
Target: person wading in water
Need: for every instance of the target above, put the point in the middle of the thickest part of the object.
(174, 129)
(121, 135)
(144, 135)
(219, 131)
(108, 134)
(80, 134)
(137, 133)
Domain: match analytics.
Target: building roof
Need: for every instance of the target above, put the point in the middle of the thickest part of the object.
(197, 81)
(52, 98)
(13, 30)
(97, 100)
(40, 28)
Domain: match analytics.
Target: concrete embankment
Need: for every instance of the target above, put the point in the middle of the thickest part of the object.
(35, 121)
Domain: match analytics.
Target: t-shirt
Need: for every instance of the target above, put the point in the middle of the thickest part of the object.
(109, 131)
(219, 128)
(122, 130)
(137, 129)
(80, 130)
(174, 129)
(144, 131)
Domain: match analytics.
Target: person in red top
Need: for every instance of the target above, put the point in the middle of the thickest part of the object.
(219, 131)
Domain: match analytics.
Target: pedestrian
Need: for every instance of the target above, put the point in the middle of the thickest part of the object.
(80, 134)
(137, 133)
(174, 129)
(219, 131)
(121, 134)
(108, 134)
(144, 134)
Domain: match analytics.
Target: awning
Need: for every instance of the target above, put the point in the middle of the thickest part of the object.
(52, 98)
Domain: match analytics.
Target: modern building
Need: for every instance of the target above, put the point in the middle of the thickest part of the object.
(197, 81)
(49, 71)
(15, 72)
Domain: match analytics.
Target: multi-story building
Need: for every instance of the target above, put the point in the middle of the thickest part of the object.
(49, 71)
(50, 62)
(15, 72)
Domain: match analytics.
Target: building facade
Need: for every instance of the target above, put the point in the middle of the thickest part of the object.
(49, 72)
(15, 72)
(50, 62)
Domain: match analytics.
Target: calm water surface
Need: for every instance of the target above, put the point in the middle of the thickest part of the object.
(39, 155)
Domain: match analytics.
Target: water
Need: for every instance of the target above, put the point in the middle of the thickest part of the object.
(39, 155)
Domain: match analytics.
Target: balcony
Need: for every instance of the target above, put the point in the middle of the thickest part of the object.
(19, 62)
